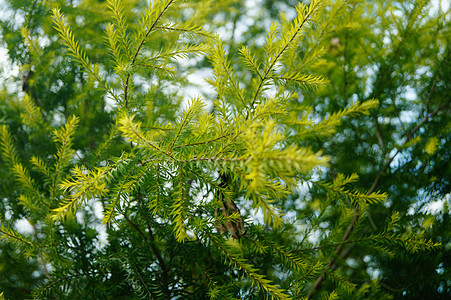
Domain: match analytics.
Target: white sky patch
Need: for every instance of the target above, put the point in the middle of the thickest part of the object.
(436, 207)
(253, 7)
(9, 72)
(96, 207)
(429, 206)
(443, 5)
(102, 237)
(408, 116)
(314, 236)
(7, 14)
(410, 94)
(374, 273)
(110, 103)
(199, 87)
(23, 226)
(257, 216)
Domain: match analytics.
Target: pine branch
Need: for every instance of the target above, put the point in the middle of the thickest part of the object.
(82, 186)
(42, 291)
(117, 12)
(33, 115)
(132, 130)
(33, 45)
(327, 127)
(66, 35)
(103, 146)
(304, 80)
(158, 9)
(191, 29)
(64, 153)
(40, 166)
(8, 150)
(193, 108)
(154, 248)
(209, 142)
(250, 60)
(339, 250)
(15, 237)
(182, 51)
(304, 14)
(250, 271)
(27, 182)
(223, 71)
(287, 256)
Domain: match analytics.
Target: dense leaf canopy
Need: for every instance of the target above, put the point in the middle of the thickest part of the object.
(225, 149)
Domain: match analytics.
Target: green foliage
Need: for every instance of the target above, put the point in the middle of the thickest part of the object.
(134, 190)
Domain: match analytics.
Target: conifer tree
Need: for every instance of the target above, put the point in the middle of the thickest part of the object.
(131, 190)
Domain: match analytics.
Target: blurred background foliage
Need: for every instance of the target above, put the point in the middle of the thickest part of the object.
(395, 51)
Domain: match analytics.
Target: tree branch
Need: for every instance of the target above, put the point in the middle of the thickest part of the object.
(339, 250)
